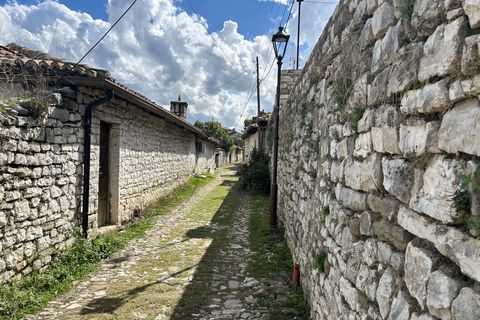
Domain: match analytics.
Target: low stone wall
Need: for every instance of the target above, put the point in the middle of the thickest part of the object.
(376, 140)
(41, 172)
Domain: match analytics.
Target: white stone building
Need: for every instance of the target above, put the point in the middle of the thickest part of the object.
(138, 152)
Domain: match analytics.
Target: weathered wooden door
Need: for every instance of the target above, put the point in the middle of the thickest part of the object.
(103, 198)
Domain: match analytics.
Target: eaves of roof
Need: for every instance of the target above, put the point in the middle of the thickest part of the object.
(17, 57)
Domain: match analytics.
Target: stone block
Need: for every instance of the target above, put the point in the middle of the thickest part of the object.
(442, 50)
(404, 72)
(363, 145)
(455, 245)
(367, 121)
(419, 137)
(435, 198)
(351, 294)
(471, 55)
(377, 91)
(392, 233)
(425, 316)
(419, 265)
(441, 290)
(385, 140)
(21, 210)
(354, 200)
(430, 99)
(364, 176)
(385, 206)
(427, 15)
(471, 87)
(472, 10)
(345, 148)
(367, 218)
(385, 291)
(401, 306)
(467, 305)
(382, 19)
(388, 116)
(397, 178)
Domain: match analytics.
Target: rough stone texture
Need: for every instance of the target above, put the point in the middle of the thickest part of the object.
(419, 264)
(418, 81)
(454, 138)
(472, 10)
(467, 305)
(430, 99)
(442, 50)
(439, 184)
(42, 174)
(442, 289)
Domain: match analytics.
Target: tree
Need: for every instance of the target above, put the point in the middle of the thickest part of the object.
(215, 129)
(246, 123)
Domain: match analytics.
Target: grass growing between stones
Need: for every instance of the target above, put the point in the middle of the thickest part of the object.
(31, 293)
(272, 260)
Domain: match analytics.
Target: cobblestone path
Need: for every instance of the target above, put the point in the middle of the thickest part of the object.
(183, 268)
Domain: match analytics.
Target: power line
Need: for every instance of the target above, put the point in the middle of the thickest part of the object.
(76, 64)
(203, 24)
(204, 94)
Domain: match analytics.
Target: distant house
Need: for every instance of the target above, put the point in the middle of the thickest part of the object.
(55, 176)
(255, 135)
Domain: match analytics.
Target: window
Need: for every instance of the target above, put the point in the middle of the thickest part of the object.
(200, 147)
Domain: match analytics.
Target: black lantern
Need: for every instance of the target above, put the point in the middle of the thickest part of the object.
(277, 40)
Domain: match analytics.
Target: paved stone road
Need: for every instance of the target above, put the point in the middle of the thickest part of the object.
(120, 289)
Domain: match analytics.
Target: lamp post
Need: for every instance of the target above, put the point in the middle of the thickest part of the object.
(277, 40)
(298, 30)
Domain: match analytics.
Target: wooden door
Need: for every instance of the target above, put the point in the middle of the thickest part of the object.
(103, 198)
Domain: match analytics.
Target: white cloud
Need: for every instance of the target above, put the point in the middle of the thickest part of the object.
(158, 50)
(285, 2)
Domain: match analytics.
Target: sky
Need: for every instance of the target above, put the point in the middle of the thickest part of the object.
(203, 50)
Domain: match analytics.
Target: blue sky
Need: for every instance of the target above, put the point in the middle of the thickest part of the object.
(160, 48)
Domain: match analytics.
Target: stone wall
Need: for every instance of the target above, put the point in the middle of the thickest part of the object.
(41, 171)
(376, 139)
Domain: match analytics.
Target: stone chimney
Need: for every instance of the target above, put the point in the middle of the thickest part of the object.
(179, 108)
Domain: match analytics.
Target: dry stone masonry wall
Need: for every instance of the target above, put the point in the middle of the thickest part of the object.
(41, 171)
(378, 163)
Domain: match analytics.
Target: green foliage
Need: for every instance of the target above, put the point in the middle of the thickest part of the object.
(288, 141)
(304, 112)
(215, 129)
(316, 145)
(315, 79)
(32, 292)
(326, 210)
(342, 86)
(309, 130)
(2, 109)
(36, 108)
(320, 261)
(463, 199)
(356, 113)
(313, 174)
(255, 174)
(246, 124)
(405, 7)
(277, 263)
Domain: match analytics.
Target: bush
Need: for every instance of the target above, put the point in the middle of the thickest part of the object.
(255, 174)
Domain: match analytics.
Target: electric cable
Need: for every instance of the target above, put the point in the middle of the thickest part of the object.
(93, 47)
(211, 36)
(205, 93)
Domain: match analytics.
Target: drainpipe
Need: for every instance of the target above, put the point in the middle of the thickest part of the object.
(86, 157)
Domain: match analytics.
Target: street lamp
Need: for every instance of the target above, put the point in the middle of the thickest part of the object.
(277, 40)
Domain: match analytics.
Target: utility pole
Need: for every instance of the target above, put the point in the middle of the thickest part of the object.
(258, 90)
(298, 31)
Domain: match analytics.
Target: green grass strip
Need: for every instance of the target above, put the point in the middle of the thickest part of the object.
(32, 292)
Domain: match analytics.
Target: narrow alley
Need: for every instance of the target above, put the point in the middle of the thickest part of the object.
(192, 264)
